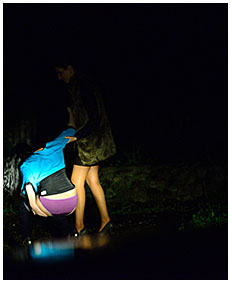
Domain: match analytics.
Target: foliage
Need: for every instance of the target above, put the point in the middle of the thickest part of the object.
(10, 204)
(207, 216)
(8, 209)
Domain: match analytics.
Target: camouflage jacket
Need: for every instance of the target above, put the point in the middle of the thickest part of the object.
(99, 144)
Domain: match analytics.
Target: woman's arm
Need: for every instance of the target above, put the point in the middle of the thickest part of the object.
(71, 118)
(61, 141)
(91, 107)
(32, 201)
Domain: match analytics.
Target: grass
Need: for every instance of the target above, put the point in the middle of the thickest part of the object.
(8, 209)
(207, 216)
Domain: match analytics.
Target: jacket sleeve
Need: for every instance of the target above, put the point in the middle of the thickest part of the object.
(60, 142)
(93, 122)
(27, 178)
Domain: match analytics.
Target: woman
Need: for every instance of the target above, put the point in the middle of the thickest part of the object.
(94, 143)
(46, 190)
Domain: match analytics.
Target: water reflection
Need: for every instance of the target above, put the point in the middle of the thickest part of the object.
(87, 242)
(56, 250)
(52, 250)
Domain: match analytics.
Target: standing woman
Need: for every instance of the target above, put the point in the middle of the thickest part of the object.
(94, 142)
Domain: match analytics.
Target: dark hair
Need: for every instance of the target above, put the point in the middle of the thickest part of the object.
(64, 60)
(40, 144)
(22, 150)
(12, 178)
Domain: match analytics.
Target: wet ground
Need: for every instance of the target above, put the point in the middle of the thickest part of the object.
(139, 247)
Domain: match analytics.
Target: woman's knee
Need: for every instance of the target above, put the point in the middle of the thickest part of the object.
(77, 181)
(92, 182)
(74, 180)
(80, 188)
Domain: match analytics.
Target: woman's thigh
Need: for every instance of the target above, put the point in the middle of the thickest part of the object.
(93, 175)
(79, 175)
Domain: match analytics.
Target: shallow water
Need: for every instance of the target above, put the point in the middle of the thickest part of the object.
(194, 255)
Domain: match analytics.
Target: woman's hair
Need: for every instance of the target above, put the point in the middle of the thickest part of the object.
(22, 151)
(11, 167)
(64, 60)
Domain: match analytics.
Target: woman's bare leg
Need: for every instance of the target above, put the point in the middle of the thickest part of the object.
(98, 193)
(78, 178)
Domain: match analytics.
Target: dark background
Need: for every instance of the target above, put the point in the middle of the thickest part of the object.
(162, 69)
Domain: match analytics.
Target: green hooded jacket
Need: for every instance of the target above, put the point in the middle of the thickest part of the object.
(99, 144)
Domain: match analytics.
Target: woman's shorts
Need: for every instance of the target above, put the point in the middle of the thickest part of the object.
(77, 161)
(59, 206)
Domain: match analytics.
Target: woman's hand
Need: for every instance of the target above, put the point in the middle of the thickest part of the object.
(38, 211)
(32, 201)
(71, 139)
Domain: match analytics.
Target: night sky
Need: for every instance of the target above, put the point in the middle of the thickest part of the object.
(162, 69)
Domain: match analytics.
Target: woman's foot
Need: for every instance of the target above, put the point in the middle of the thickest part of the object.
(83, 231)
(104, 222)
(106, 228)
(27, 242)
(75, 233)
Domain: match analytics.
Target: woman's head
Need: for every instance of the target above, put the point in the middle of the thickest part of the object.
(22, 150)
(65, 73)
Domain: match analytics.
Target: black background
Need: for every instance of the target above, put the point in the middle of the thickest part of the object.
(162, 69)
